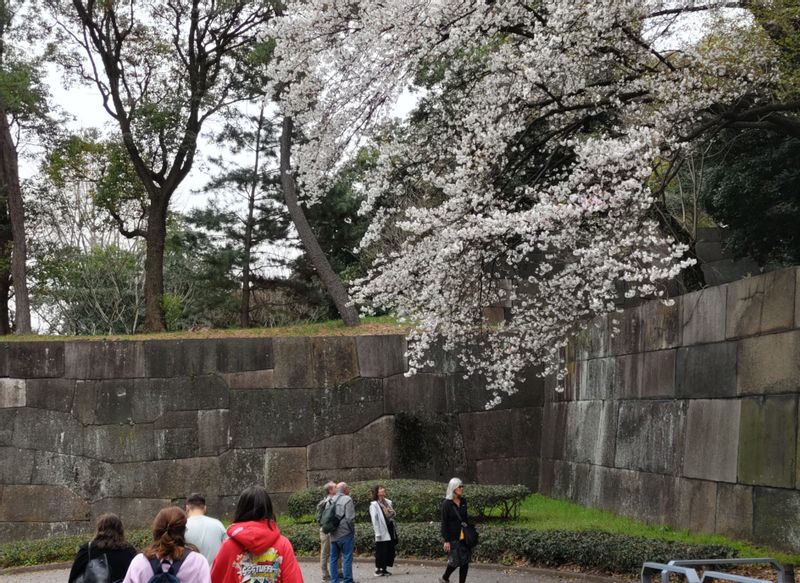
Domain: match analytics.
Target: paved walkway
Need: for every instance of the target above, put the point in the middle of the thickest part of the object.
(403, 572)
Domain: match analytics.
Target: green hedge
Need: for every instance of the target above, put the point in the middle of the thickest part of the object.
(419, 500)
(57, 549)
(596, 550)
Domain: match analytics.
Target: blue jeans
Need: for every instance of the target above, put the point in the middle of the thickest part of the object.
(343, 546)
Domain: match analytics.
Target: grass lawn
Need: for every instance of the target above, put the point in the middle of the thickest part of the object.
(543, 513)
(375, 325)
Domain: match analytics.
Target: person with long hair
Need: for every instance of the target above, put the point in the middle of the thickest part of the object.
(255, 549)
(381, 511)
(109, 540)
(454, 514)
(169, 553)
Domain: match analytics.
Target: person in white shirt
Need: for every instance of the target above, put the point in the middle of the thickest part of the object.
(202, 531)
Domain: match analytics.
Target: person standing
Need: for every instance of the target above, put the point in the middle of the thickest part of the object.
(255, 551)
(454, 514)
(343, 539)
(324, 538)
(202, 531)
(381, 511)
(168, 553)
(109, 540)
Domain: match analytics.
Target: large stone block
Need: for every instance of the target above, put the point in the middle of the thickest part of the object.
(41, 504)
(735, 511)
(546, 477)
(254, 379)
(244, 354)
(4, 349)
(712, 439)
(135, 512)
(16, 466)
(443, 361)
(331, 453)
(314, 362)
(706, 371)
(12, 393)
(297, 417)
(773, 513)
(28, 360)
(629, 338)
(372, 445)
(595, 340)
(797, 299)
(769, 364)
(515, 470)
(421, 394)
(180, 358)
(596, 378)
(488, 434)
(591, 432)
(661, 324)
(38, 429)
(285, 469)
(103, 359)
(554, 428)
(648, 375)
(175, 442)
(696, 505)
(172, 479)
(213, 431)
(88, 478)
(644, 496)
(53, 394)
(768, 441)
(473, 393)
(703, 315)
(17, 531)
(650, 436)
(240, 468)
(7, 426)
(112, 401)
(120, 443)
(381, 356)
(761, 304)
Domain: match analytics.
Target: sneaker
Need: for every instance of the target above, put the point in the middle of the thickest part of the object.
(386, 573)
(378, 573)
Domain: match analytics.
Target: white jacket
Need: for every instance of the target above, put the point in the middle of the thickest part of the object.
(379, 521)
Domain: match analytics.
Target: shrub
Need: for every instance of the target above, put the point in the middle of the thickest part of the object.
(595, 550)
(419, 500)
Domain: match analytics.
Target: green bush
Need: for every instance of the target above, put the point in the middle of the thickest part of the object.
(57, 549)
(596, 550)
(419, 500)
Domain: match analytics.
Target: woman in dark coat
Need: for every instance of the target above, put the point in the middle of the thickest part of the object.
(454, 513)
(109, 540)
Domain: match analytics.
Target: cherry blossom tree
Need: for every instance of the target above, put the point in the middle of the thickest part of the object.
(534, 153)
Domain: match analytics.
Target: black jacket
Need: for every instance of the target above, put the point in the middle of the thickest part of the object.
(452, 517)
(118, 561)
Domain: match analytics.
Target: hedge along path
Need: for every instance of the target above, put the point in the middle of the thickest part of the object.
(420, 500)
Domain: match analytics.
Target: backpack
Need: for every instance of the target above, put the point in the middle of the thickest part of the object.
(329, 521)
(96, 571)
(169, 576)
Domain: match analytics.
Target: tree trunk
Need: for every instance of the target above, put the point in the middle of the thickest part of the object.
(9, 183)
(331, 281)
(154, 266)
(244, 313)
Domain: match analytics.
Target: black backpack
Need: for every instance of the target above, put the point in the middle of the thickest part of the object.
(97, 569)
(169, 576)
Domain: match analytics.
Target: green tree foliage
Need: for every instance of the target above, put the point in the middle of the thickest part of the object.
(754, 190)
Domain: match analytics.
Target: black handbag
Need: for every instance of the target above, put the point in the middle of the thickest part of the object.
(469, 534)
(96, 571)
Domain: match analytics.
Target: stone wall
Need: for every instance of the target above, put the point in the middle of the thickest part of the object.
(131, 426)
(689, 415)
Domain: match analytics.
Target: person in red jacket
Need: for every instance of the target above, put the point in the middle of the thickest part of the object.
(255, 551)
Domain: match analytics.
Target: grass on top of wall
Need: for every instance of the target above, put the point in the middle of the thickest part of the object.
(375, 325)
(542, 513)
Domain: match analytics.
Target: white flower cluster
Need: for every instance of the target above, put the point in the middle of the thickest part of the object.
(529, 158)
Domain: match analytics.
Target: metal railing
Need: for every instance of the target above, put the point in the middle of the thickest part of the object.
(685, 568)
